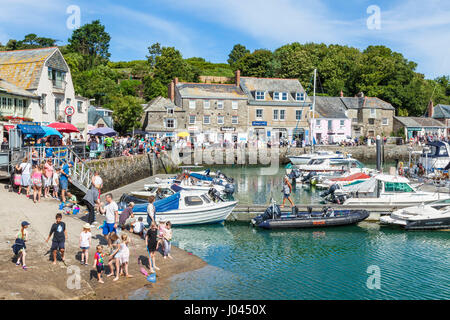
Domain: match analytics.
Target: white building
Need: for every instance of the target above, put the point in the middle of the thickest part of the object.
(45, 74)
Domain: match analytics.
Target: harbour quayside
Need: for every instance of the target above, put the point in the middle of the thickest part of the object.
(273, 218)
(381, 190)
(186, 207)
(433, 216)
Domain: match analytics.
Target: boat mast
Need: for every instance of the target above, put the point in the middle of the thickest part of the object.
(313, 110)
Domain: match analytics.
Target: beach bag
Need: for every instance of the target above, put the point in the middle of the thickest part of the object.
(17, 179)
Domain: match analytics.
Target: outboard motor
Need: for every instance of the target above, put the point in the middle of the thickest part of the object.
(308, 176)
(330, 190)
(215, 195)
(229, 188)
(294, 174)
(207, 171)
(272, 211)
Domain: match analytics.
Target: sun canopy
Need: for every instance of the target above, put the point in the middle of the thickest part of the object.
(49, 131)
(201, 177)
(164, 205)
(103, 131)
(33, 130)
(63, 127)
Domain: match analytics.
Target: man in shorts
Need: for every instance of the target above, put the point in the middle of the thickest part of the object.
(111, 212)
(64, 180)
(59, 232)
(126, 218)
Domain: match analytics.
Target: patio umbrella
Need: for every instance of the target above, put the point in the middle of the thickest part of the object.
(49, 131)
(103, 131)
(63, 127)
(183, 134)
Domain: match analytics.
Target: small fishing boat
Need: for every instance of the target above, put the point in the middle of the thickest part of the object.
(422, 217)
(305, 158)
(344, 180)
(188, 207)
(272, 218)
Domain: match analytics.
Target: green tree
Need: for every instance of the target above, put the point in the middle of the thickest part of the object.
(153, 88)
(256, 64)
(127, 112)
(92, 41)
(130, 87)
(237, 53)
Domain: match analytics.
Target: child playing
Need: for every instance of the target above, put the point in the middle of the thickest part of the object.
(55, 183)
(98, 263)
(36, 179)
(138, 227)
(167, 238)
(85, 243)
(161, 230)
(152, 240)
(124, 255)
(19, 247)
(114, 256)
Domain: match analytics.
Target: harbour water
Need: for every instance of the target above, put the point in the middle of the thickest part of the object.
(332, 263)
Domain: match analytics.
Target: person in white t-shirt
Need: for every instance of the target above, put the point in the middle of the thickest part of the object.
(25, 166)
(111, 212)
(85, 243)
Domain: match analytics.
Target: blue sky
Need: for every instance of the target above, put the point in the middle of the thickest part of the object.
(419, 29)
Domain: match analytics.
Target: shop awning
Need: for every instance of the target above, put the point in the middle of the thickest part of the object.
(33, 130)
(8, 126)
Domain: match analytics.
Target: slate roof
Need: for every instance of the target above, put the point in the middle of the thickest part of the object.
(7, 87)
(270, 85)
(441, 111)
(419, 122)
(366, 102)
(160, 104)
(330, 108)
(23, 67)
(209, 91)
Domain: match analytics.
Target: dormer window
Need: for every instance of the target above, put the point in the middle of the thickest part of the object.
(169, 110)
(260, 95)
(280, 96)
(299, 96)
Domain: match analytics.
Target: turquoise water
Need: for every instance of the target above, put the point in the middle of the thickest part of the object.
(332, 263)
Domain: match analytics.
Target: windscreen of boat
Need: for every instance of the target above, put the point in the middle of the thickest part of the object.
(205, 198)
(316, 161)
(193, 201)
(397, 187)
(436, 151)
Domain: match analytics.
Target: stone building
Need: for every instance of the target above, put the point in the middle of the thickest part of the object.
(419, 126)
(277, 108)
(162, 118)
(213, 112)
(44, 73)
(441, 112)
(370, 116)
(331, 124)
(99, 117)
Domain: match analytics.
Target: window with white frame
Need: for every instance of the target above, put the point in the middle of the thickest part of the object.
(80, 106)
(298, 114)
(220, 119)
(206, 119)
(282, 115)
(44, 102)
(385, 122)
(284, 96)
(191, 104)
(234, 105)
(276, 96)
(260, 95)
(170, 123)
(373, 112)
(317, 123)
(275, 114)
(169, 110)
(68, 101)
(192, 119)
(259, 113)
(299, 96)
(206, 104)
(342, 123)
(3, 101)
(219, 104)
(234, 120)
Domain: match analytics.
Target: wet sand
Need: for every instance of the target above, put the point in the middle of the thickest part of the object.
(43, 280)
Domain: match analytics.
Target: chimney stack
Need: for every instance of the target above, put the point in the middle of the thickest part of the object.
(342, 93)
(430, 108)
(171, 93)
(238, 78)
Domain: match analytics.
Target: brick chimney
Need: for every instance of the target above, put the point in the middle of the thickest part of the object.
(430, 108)
(238, 78)
(171, 92)
(342, 93)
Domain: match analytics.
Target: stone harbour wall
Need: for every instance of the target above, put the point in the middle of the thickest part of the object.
(117, 172)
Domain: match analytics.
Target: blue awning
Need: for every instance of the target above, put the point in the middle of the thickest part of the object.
(33, 130)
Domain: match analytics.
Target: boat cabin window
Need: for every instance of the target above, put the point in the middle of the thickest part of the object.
(193, 201)
(437, 151)
(205, 198)
(316, 161)
(397, 187)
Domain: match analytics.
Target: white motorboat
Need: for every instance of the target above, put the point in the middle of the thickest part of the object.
(189, 207)
(422, 217)
(305, 158)
(159, 191)
(382, 190)
(436, 155)
(347, 178)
